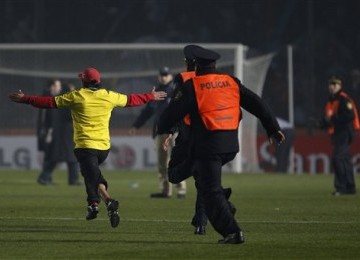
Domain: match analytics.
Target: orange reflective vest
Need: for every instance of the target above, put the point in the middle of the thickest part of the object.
(218, 100)
(186, 76)
(332, 107)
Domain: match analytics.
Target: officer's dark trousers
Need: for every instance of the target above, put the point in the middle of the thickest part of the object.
(180, 164)
(180, 168)
(200, 218)
(208, 171)
(343, 168)
(89, 160)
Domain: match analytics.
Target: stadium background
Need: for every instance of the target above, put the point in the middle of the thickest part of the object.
(283, 216)
(324, 35)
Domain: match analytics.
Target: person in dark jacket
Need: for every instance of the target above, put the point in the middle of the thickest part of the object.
(341, 119)
(213, 101)
(155, 109)
(43, 125)
(59, 144)
(181, 160)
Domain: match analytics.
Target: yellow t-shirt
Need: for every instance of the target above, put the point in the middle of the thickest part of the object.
(91, 111)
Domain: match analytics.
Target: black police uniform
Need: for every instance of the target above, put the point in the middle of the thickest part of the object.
(212, 149)
(341, 140)
(181, 164)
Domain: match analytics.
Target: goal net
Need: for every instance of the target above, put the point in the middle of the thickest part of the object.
(126, 68)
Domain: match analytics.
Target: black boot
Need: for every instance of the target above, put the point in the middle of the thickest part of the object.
(112, 207)
(200, 230)
(235, 238)
(92, 211)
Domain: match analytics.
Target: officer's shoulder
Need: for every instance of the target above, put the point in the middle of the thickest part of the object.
(344, 97)
(345, 100)
(188, 84)
(186, 88)
(235, 79)
(178, 77)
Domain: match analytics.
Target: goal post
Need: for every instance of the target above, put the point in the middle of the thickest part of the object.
(126, 68)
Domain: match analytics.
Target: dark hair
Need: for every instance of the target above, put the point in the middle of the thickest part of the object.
(51, 82)
(92, 85)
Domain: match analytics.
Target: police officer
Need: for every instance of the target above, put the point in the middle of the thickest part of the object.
(213, 101)
(341, 119)
(155, 109)
(180, 164)
(181, 160)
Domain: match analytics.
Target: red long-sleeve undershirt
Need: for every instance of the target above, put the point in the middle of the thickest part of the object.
(138, 99)
(49, 102)
(40, 102)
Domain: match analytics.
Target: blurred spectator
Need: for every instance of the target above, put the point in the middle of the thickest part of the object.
(341, 119)
(43, 129)
(155, 109)
(58, 142)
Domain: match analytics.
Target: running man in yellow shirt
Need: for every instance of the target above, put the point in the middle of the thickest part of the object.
(91, 108)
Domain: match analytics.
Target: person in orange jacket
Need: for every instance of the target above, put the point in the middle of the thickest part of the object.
(181, 160)
(341, 119)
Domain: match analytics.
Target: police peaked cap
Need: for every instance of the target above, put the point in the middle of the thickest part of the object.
(188, 51)
(164, 71)
(204, 56)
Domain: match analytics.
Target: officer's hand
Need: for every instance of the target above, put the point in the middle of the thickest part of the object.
(16, 96)
(132, 131)
(158, 95)
(279, 137)
(167, 142)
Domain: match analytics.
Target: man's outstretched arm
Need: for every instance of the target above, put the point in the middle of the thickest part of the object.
(36, 101)
(141, 99)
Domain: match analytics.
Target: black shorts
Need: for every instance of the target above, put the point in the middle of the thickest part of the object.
(89, 161)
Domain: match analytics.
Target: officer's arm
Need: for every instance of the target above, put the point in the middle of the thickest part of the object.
(178, 82)
(176, 111)
(145, 114)
(178, 85)
(345, 113)
(254, 105)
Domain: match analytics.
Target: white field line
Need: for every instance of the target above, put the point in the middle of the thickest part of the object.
(180, 221)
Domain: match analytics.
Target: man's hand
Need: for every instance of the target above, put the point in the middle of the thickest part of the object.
(167, 142)
(279, 137)
(16, 96)
(158, 95)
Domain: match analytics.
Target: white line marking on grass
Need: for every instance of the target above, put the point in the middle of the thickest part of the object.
(181, 221)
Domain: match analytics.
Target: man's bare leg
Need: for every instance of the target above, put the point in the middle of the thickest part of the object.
(105, 196)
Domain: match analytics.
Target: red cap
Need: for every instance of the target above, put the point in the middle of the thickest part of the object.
(90, 75)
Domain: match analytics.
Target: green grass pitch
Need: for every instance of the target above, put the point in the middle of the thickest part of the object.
(283, 217)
